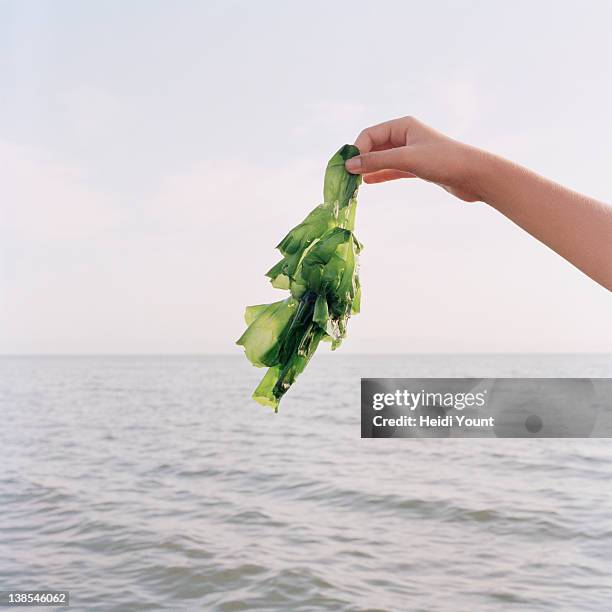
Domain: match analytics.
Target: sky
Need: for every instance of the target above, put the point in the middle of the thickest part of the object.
(153, 153)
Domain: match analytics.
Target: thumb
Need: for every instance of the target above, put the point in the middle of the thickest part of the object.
(390, 159)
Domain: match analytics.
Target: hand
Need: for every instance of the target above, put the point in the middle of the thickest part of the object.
(407, 148)
(577, 227)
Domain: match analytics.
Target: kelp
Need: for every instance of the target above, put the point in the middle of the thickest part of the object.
(320, 268)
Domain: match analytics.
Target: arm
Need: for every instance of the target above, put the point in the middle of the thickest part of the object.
(576, 227)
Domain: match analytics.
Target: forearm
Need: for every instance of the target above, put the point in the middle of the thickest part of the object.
(576, 227)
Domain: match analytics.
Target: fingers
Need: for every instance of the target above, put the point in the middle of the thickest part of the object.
(391, 159)
(383, 176)
(376, 137)
(384, 135)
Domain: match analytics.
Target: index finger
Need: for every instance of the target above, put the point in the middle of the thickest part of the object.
(387, 135)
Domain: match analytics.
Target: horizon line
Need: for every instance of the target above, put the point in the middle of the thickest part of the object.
(357, 354)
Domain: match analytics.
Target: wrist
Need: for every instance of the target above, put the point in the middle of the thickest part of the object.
(485, 171)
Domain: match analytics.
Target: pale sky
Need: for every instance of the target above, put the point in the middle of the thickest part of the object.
(152, 155)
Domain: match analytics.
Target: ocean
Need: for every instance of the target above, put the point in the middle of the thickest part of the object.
(155, 483)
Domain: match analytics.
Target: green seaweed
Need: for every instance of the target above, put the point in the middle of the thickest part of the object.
(320, 269)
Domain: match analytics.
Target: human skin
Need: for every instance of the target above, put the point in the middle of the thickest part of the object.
(575, 226)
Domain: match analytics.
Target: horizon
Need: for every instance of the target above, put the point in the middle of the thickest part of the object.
(347, 353)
